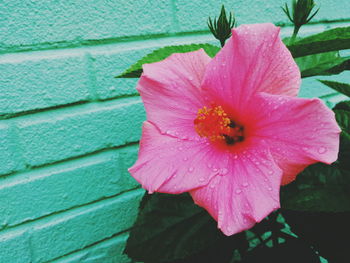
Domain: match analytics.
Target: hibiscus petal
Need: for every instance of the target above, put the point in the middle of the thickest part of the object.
(246, 194)
(253, 59)
(299, 131)
(170, 90)
(171, 165)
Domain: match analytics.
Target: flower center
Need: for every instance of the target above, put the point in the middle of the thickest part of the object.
(215, 124)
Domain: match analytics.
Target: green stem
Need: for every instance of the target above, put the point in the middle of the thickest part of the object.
(294, 36)
(222, 42)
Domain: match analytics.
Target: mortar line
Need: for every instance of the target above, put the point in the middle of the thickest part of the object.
(26, 225)
(86, 155)
(116, 40)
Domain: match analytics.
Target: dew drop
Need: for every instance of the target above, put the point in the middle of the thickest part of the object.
(190, 78)
(238, 191)
(185, 159)
(190, 169)
(224, 171)
(201, 179)
(235, 156)
(270, 172)
(245, 184)
(270, 189)
(212, 186)
(322, 150)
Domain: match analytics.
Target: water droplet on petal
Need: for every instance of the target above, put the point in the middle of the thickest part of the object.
(212, 186)
(235, 156)
(322, 150)
(224, 171)
(270, 189)
(190, 169)
(185, 159)
(245, 184)
(238, 191)
(180, 148)
(270, 172)
(201, 179)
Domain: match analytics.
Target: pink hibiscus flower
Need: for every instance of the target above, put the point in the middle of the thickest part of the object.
(230, 130)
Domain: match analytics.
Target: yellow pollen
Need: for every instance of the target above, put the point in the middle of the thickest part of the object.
(212, 123)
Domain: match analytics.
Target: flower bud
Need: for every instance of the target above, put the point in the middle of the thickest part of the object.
(221, 27)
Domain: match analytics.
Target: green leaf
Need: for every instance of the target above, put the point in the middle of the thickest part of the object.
(135, 70)
(338, 86)
(343, 105)
(343, 119)
(328, 63)
(342, 115)
(171, 228)
(330, 40)
(319, 188)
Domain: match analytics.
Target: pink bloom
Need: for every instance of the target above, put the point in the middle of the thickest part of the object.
(230, 129)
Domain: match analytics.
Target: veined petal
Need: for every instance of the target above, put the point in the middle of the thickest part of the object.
(299, 131)
(253, 60)
(246, 194)
(171, 165)
(171, 92)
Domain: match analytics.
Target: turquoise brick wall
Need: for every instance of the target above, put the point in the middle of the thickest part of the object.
(69, 130)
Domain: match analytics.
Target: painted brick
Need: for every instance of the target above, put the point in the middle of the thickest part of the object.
(15, 247)
(107, 64)
(111, 60)
(110, 251)
(66, 133)
(69, 22)
(9, 157)
(254, 11)
(313, 88)
(45, 191)
(41, 80)
(80, 229)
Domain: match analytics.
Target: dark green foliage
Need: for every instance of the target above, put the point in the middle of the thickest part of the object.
(293, 250)
(338, 86)
(135, 70)
(221, 27)
(330, 40)
(328, 63)
(319, 187)
(171, 228)
(328, 233)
